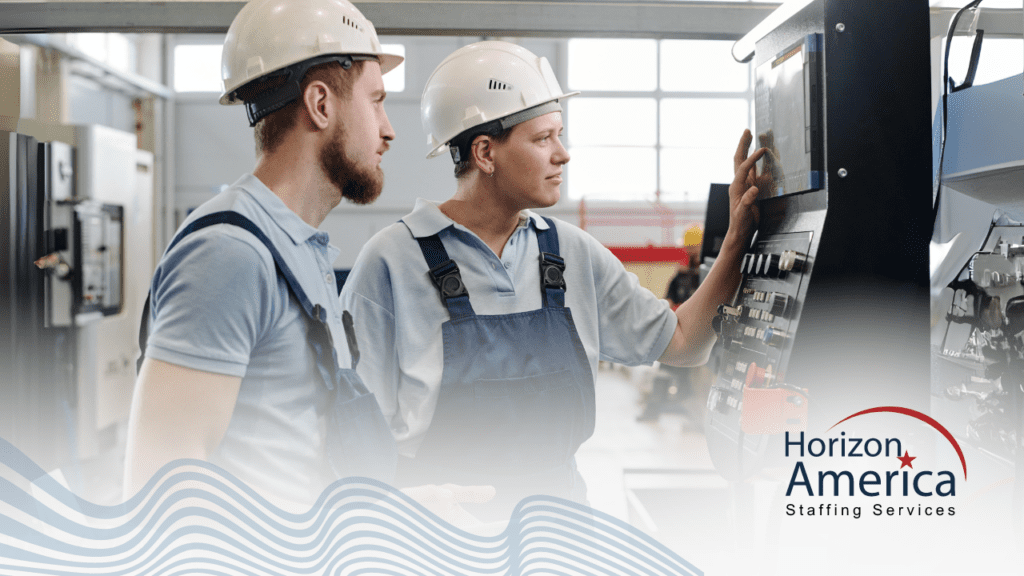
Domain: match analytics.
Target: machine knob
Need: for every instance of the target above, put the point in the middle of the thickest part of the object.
(774, 337)
(792, 261)
(779, 302)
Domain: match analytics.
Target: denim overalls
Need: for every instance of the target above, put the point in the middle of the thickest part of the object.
(517, 395)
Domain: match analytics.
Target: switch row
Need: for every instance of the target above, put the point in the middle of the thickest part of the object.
(773, 265)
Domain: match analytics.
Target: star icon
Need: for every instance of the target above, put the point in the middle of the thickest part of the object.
(906, 459)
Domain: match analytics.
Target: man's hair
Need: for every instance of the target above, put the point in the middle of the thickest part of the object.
(270, 130)
(497, 134)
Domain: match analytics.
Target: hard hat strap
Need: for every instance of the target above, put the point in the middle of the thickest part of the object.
(272, 100)
(459, 145)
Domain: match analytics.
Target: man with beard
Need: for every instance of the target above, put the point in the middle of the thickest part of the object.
(245, 329)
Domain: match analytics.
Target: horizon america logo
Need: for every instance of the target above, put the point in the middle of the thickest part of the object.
(871, 483)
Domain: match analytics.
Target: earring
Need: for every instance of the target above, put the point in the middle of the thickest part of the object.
(490, 174)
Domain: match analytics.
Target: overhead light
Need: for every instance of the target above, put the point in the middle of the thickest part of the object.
(743, 49)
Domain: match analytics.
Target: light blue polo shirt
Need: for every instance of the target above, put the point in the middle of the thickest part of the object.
(398, 313)
(218, 305)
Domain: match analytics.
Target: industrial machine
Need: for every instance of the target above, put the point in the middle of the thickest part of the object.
(978, 283)
(832, 312)
(67, 210)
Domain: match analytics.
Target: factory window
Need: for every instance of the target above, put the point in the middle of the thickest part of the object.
(1000, 58)
(197, 68)
(613, 65)
(394, 81)
(657, 120)
(985, 5)
(113, 49)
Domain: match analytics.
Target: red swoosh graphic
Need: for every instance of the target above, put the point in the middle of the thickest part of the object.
(914, 414)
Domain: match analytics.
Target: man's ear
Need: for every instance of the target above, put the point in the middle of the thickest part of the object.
(317, 104)
(481, 152)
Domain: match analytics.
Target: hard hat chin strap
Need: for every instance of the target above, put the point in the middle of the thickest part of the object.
(459, 146)
(272, 100)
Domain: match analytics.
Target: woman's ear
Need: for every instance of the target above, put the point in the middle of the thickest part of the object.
(481, 152)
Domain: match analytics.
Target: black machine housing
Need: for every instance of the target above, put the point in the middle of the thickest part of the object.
(834, 295)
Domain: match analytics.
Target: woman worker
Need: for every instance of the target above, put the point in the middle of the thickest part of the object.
(481, 323)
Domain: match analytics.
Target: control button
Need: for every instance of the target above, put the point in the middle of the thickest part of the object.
(755, 376)
(759, 267)
(741, 367)
(779, 302)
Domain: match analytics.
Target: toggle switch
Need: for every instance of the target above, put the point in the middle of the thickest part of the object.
(747, 264)
(771, 265)
(774, 337)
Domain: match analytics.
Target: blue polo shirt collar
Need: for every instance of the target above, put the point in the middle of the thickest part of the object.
(427, 219)
(295, 227)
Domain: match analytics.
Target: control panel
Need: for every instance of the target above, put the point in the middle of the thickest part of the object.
(752, 399)
(755, 332)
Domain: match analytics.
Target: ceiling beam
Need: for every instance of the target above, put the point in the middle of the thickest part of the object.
(547, 18)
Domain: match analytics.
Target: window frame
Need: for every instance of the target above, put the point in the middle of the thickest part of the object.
(658, 95)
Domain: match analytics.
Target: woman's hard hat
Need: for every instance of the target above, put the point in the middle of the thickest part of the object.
(484, 85)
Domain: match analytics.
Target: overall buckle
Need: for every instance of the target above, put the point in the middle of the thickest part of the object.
(448, 280)
(552, 271)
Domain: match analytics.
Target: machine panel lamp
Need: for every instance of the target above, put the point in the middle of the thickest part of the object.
(743, 49)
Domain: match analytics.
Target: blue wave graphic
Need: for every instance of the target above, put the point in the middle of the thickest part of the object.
(195, 518)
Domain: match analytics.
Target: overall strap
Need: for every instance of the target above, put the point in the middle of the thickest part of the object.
(552, 268)
(315, 311)
(444, 272)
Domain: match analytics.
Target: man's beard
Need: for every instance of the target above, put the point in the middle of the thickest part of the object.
(360, 186)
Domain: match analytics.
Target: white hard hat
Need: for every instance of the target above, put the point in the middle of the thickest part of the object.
(288, 37)
(481, 85)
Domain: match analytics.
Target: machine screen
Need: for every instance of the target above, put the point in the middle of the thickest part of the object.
(788, 109)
